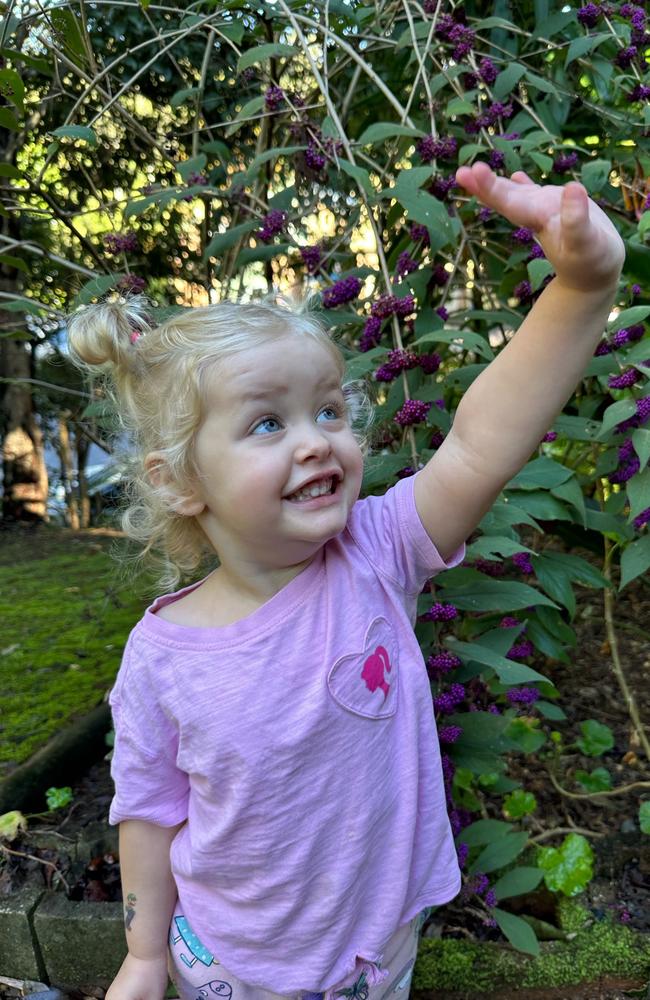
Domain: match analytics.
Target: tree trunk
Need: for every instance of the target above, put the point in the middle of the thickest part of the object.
(67, 472)
(83, 446)
(25, 483)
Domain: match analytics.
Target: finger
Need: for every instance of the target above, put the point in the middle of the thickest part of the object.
(519, 177)
(509, 198)
(477, 179)
(574, 213)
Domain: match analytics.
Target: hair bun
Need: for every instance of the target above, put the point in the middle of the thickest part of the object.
(107, 333)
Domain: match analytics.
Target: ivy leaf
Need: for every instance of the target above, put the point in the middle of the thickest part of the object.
(569, 868)
(596, 738)
(11, 824)
(599, 780)
(519, 803)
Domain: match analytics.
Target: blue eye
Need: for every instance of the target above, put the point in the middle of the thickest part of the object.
(265, 422)
(334, 410)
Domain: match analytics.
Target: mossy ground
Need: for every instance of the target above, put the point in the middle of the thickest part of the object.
(66, 610)
(599, 948)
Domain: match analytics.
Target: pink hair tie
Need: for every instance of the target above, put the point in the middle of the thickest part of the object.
(134, 336)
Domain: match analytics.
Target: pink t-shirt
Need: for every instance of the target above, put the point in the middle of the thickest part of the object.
(300, 745)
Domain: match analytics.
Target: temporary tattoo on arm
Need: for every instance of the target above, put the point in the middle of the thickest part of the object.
(129, 910)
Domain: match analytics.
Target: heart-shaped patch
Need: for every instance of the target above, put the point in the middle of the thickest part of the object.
(366, 682)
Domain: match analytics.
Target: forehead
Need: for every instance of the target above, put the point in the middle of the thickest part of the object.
(281, 364)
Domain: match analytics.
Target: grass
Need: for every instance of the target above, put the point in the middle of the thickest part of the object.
(65, 613)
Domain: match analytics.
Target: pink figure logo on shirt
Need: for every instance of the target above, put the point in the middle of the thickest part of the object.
(373, 671)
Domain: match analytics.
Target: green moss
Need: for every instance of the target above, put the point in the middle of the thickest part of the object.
(598, 948)
(65, 615)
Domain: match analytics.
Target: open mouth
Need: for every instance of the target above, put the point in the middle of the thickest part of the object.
(324, 487)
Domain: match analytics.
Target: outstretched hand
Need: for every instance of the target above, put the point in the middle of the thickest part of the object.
(576, 236)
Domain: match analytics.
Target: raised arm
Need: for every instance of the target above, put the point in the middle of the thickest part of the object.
(509, 407)
(149, 897)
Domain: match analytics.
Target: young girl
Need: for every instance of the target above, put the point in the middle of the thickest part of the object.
(278, 781)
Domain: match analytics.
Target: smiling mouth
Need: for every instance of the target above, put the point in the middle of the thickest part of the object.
(323, 488)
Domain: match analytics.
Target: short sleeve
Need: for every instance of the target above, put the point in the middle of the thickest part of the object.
(148, 783)
(388, 529)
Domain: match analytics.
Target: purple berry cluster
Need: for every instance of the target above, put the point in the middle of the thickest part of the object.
(550, 436)
(449, 700)
(115, 243)
(523, 696)
(131, 284)
(490, 567)
(624, 380)
(273, 223)
(198, 179)
(429, 149)
(490, 117)
(440, 613)
(450, 734)
(588, 15)
(523, 291)
(441, 186)
(405, 264)
(523, 563)
(628, 466)
(341, 291)
(414, 411)
(641, 519)
(420, 234)
(273, 97)
(397, 361)
(564, 162)
(523, 236)
(441, 663)
(311, 257)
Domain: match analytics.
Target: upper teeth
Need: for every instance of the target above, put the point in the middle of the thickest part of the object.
(315, 490)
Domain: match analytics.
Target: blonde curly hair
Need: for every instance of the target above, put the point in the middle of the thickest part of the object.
(156, 376)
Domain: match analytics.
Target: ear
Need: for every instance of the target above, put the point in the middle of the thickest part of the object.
(160, 477)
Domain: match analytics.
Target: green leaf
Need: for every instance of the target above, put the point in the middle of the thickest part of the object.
(644, 817)
(544, 162)
(95, 288)
(596, 738)
(460, 106)
(594, 174)
(12, 87)
(541, 472)
(547, 708)
(635, 560)
(483, 831)
(248, 110)
(629, 317)
(542, 505)
(57, 798)
(508, 671)
(8, 120)
(159, 198)
(358, 174)
(499, 853)
(387, 130)
(194, 165)
(537, 271)
(517, 882)
(638, 491)
(488, 546)
(507, 80)
(583, 44)
(8, 170)
(526, 734)
(519, 803)
(615, 414)
(181, 96)
(223, 241)
(11, 824)
(540, 82)
(261, 52)
(555, 23)
(76, 132)
(576, 428)
(520, 935)
(485, 594)
(469, 340)
(599, 780)
(569, 868)
(641, 442)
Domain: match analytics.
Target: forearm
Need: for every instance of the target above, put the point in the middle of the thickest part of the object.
(510, 406)
(148, 886)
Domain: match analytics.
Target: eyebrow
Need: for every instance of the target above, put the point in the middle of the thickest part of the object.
(261, 394)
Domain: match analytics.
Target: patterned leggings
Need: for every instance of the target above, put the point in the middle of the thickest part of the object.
(198, 975)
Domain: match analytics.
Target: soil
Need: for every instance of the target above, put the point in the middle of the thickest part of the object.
(621, 887)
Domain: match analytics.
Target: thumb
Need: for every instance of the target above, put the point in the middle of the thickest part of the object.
(574, 209)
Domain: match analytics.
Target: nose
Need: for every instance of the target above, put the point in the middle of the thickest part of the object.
(312, 442)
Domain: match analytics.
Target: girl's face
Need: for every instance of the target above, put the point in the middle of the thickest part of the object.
(275, 426)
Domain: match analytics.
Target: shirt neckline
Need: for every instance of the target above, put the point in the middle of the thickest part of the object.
(294, 593)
